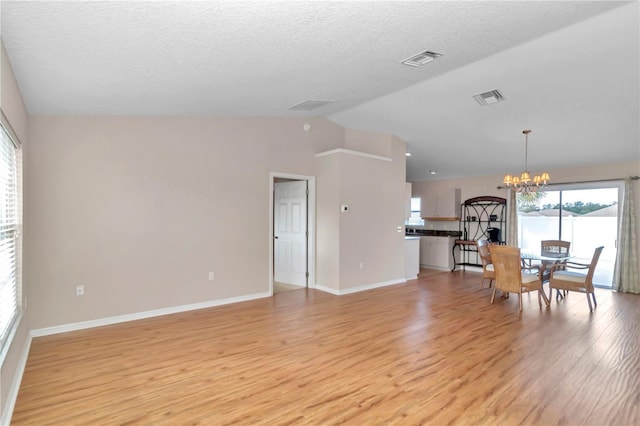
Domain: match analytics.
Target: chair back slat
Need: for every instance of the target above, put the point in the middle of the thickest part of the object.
(483, 252)
(551, 248)
(508, 267)
(592, 266)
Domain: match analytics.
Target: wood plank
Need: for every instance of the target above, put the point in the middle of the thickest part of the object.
(432, 351)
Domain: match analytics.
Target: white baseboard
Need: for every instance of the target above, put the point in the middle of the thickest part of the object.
(142, 315)
(327, 289)
(469, 268)
(7, 412)
(15, 386)
(437, 268)
(338, 292)
(12, 396)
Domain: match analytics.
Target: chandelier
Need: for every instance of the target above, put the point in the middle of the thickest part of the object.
(525, 184)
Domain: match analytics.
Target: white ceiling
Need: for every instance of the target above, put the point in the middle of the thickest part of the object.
(568, 70)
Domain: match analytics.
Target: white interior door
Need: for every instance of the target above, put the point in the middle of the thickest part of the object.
(290, 232)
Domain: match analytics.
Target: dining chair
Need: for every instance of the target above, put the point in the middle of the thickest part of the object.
(552, 248)
(564, 277)
(488, 271)
(510, 277)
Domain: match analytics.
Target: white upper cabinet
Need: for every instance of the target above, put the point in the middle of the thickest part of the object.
(441, 205)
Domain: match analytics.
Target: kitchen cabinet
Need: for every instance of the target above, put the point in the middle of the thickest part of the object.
(441, 205)
(411, 257)
(435, 252)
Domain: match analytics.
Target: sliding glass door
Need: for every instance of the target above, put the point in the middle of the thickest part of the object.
(584, 214)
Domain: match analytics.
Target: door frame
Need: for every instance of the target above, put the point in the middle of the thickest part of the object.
(311, 228)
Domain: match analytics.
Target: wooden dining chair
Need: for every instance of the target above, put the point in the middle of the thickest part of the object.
(552, 248)
(565, 277)
(488, 272)
(510, 277)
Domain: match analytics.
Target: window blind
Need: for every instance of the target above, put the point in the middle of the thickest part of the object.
(9, 227)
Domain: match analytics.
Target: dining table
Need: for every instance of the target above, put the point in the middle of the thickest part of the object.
(546, 261)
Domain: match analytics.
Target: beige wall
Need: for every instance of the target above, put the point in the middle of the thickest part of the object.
(15, 117)
(374, 191)
(328, 222)
(139, 210)
(370, 142)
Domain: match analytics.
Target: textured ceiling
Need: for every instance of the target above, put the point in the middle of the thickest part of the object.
(569, 70)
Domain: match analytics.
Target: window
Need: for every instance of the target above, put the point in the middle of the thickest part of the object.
(415, 218)
(584, 214)
(9, 236)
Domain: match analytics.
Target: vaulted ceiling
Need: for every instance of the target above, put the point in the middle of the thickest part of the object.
(568, 70)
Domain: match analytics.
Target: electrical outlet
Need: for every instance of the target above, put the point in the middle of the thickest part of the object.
(79, 290)
(212, 276)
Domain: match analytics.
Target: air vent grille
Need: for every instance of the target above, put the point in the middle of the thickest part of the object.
(308, 105)
(421, 58)
(488, 98)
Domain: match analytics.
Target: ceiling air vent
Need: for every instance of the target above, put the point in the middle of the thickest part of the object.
(421, 58)
(308, 105)
(488, 98)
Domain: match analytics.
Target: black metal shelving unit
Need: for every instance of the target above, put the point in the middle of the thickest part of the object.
(482, 217)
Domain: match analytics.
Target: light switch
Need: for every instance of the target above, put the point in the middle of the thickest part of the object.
(344, 208)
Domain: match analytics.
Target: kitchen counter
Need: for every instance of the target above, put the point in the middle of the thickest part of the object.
(433, 233)
(411, 257)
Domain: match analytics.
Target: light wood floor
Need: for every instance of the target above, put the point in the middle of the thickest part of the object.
(280, 287)
(432, 351)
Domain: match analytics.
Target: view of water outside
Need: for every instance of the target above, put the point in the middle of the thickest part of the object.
(593, 223)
